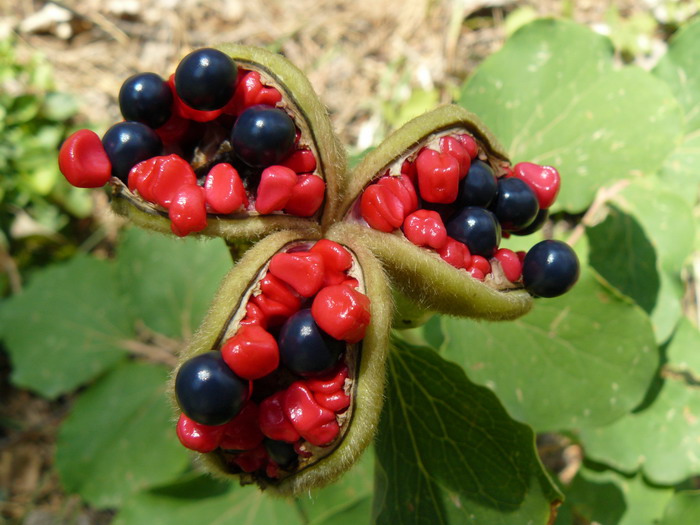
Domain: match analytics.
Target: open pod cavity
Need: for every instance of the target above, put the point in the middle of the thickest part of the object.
(307, 346)
(267, 160)
(405, 202)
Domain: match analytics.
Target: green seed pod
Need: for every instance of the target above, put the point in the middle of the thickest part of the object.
(311, 119)
(365, 361)
(419, 273)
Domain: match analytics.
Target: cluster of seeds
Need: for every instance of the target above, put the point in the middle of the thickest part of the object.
(277, 392)
(213, 139)
(445, 196)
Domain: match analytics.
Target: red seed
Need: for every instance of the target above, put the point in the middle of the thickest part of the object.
(252, 460)
(476, 273)
(301, 161)
(275, 189)
(307, 196)
(510, 263)
(456, 253)
(336, 261)
(174, 129)
(408, 169)
(481, 264)
(329, 383)
(342, 312)
(195, 436)
(281, 292)
(250, 92)
(252, 353)
(303, 271)
(544, 181)
(336, 401)
(254, 315)
(314, 423)
(84, 161)
(425, 228)
(224, 189)
(470, 145)
(403, 189)
(171, 172)
(243, 431)
(275, 312)
(188, 212)
(381, 209)
(273, 422)
(454, 147)
(438, 176)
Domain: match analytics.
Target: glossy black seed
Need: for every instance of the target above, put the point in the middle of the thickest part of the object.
(263, 136)
(479, 187)
(478, 229)
(208, 391)
(550, 269)
(535, 225)
(516, 204)
(206, 79)
(305, 348)
(280, 452)
(127, 144)
(146, 98)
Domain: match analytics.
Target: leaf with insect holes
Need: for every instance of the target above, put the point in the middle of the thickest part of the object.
(447, 452)
(553, 96)
(593, 354)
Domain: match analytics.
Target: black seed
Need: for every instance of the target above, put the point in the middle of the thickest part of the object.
(478, 229)
(280, 452)
(146, 98)
(479, 187)
(305, 348)
(206, 79)
(550, 269)
(263, 136)
(127, 144)
(516, 204)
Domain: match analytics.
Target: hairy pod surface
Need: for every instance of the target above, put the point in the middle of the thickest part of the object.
(363, 359)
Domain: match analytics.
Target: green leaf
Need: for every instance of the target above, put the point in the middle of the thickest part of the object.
(583, 359)
(66, 327)
(683, 355)
(203, 500)
(552, 96)
(684, 508)
(448, 453)
(680, 171)
(120, 438)
(622, 254)
(680, 68)
(171, 281)
(609, 498)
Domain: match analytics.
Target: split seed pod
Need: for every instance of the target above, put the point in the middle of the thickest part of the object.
(314, 134)
(313, 466)
(420, 273)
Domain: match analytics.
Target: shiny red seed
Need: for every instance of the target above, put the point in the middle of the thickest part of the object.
(314, 423)
(476, 273)
(303, 271)
(381, 209)
(481, 264)
(275, 189)
(521, 255)
(250, 92)
(306, 197)
(425, 228)
(275, 312)
(279, 291)
(254, 315)
(142, 176)
(198, 437)
(510, 263)
(273, 421)
(301, 161)
(470, 145)
(342, 312)
(336, 401)
(544, 181)
(336, 261)
(252, 353)
(329, 383)
(403, 189)
(456, 253)
(188, 212)
(243, 431)
(223, 189)
(174, 129)
(454, 147)
(408, 169)
(84, 161)
(438, 176)
(170, 174)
